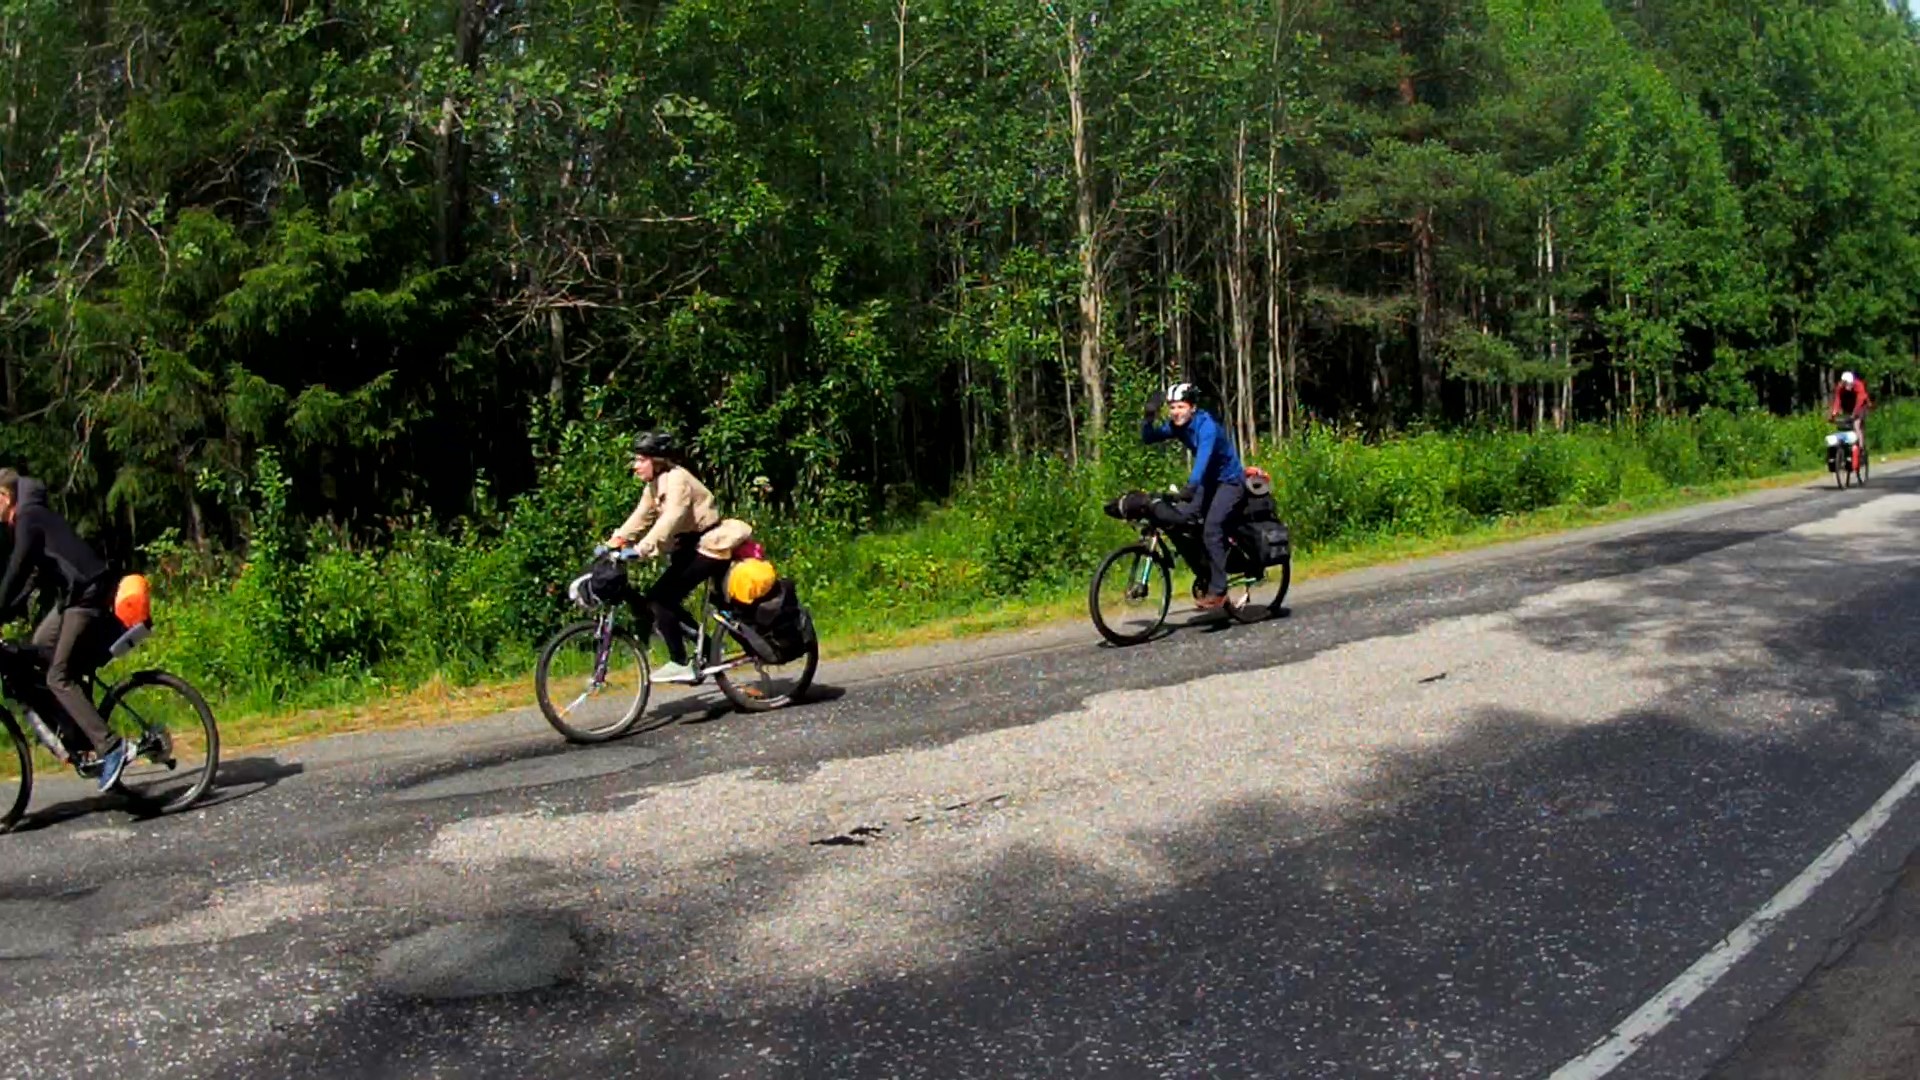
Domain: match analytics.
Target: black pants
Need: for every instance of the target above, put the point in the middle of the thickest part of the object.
(74, 634)
(659, 607)
(1212, 507)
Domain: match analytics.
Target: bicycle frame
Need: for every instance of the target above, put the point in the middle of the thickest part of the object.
(1165, 552)
(705, 629)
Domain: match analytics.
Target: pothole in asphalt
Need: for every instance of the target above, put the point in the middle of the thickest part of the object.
(557, 768)
(474, 959)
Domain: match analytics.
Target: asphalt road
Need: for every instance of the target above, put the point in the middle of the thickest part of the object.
(1463, 817)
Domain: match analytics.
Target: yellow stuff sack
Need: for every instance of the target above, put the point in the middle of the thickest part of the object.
(749, 580)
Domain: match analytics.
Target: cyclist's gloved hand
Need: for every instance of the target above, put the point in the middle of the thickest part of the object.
(1154, 404)
(600, 550)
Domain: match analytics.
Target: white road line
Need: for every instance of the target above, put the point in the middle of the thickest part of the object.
(1666, 1006)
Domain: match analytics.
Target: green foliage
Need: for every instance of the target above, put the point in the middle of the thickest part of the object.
(286, 286)
(313, 618)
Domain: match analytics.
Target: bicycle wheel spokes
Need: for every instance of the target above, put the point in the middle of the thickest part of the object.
(1130, 595)
(755, 684)
(586, 693)
(176, 746)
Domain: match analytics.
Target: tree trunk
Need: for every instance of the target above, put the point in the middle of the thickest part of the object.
(900, 81)
(1245, 434)
(557, 334)
(1092, 283)
(451, 152)
(1427, 328)
(1427, 320)
(1554, 356)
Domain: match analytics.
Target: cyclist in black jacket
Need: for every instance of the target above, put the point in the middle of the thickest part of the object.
(47, 550)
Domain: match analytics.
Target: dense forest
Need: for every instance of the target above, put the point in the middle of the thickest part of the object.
(860, 247)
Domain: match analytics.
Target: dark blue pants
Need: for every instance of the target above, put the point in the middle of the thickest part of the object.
(1212, 507)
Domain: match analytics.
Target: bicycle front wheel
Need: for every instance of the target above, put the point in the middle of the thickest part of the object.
(1130, 595)
(585, 701)
(757, 685)
(16, 771)
(176, 747)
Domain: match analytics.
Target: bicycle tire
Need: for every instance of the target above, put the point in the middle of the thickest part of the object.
(164, 790)
(1249, 610)
(746, 700)
(1132, 552)
(559, 716)
(15, 795)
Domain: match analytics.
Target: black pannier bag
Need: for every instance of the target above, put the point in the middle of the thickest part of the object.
(1266, 542)
(777, 626)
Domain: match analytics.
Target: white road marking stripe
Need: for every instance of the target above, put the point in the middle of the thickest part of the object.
(1666, 1006)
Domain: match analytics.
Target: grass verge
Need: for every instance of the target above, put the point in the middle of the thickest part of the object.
(441, 702)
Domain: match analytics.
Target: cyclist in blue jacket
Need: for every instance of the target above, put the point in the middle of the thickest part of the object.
(1217, 483)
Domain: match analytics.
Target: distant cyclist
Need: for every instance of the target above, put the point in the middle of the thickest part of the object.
(1850, 397)
(1217, 483)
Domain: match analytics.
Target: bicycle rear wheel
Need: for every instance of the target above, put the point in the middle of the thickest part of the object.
(584, 702)
(1252, 600)
(1130, 594)
(176, 745)
(16, 771)
(757, 685)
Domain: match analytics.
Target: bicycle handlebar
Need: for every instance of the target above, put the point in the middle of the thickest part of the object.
(615, 554)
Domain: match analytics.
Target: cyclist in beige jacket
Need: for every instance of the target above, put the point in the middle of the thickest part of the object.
(676, 510)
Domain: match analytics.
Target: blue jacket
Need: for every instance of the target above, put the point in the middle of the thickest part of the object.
(1215, 461)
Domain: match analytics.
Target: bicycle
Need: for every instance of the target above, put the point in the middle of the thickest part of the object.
(610, 670)
(1847, 457)
(176, 742)
(1132, 591)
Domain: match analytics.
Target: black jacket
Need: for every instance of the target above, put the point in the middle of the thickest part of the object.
(46, 547)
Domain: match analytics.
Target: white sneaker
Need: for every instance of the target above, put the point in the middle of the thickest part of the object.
(671, 672)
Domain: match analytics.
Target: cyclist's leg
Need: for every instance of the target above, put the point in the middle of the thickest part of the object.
(1222, 501)
(686, 570)
(73, 661)
(47, 633)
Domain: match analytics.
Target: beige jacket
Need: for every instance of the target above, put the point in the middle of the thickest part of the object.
(674, 503)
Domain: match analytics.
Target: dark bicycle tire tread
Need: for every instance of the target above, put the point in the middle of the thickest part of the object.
(1099, 575)
(22, 795)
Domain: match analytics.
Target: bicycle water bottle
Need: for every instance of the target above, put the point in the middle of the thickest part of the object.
(45, 734)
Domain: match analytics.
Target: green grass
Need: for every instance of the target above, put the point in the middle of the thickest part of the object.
(920, 618)
(316, 631)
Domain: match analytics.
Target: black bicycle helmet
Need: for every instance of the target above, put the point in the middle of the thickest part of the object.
(1184, 391)
(657, 444)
